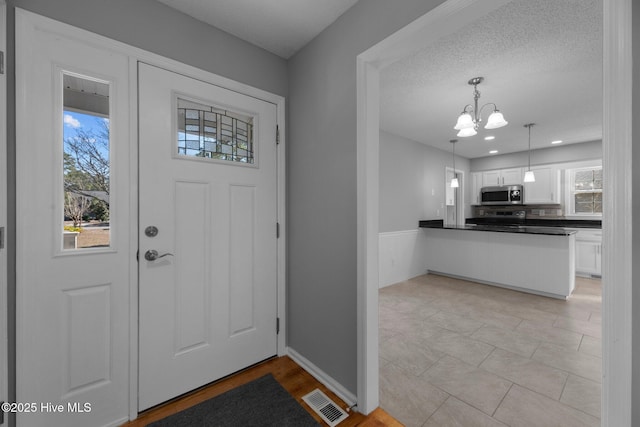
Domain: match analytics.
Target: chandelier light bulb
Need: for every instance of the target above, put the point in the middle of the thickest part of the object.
(465, 121)
(467, 132)
(496, 120)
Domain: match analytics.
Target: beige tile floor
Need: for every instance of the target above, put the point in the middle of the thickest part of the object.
(459, 353)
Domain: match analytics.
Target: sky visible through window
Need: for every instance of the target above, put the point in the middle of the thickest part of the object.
(89, 123)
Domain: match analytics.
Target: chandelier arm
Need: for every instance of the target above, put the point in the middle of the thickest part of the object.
(495, 107)
(464, 110)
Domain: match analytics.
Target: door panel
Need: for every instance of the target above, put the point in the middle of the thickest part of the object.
(72, 326)
(208, 183)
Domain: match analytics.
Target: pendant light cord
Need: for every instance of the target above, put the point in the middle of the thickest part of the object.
(529, 125)
(529, 147)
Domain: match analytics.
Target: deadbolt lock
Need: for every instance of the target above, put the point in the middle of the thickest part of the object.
(151, 231)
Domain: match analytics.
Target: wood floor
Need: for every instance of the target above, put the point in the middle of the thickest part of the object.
(290, 375)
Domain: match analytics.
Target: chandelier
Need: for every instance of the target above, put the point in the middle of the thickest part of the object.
(471, 116)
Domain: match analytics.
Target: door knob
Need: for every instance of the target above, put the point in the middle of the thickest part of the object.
(152, 255)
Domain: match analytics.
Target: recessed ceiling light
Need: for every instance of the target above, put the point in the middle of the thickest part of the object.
(558, 141)
(489, 138)
(493, 151)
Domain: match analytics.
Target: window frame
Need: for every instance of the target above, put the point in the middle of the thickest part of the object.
(571, 192)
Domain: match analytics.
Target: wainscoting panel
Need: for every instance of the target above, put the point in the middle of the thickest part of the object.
(402, 255)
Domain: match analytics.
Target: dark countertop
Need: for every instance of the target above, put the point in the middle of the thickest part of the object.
(537, 222)
(502, 228)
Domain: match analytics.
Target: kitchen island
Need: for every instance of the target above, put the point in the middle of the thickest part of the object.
(538, 260)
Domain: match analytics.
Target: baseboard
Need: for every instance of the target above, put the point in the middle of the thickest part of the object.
(333, 385)
(500, 285)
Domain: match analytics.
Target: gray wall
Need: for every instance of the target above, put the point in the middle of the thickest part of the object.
(409, 171)
(152, 26)
(149, 25)
(321, 167)
(563, 153)
(635, 272)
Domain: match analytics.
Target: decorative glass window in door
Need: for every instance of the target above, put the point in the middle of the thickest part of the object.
(213, 133)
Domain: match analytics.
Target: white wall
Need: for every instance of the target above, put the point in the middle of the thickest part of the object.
(412, 182)
(412, 188)
(402, 255)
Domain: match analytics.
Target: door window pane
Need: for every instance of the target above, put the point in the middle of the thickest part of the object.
(86, 163)
(213, 133)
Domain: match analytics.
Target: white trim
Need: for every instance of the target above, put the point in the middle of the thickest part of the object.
(135, 55)
(368, 151)
(617, 333)
(460, 203)
(4, 333)
(322, 376)
(617, 216)
(133, 243)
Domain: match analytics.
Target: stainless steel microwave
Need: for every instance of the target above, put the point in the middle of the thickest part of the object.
(502, 195)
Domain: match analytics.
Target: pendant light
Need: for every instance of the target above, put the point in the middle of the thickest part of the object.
(528, 175)
(454, 181)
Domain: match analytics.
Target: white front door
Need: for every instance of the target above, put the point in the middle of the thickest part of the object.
(72, 290)
(208, 208)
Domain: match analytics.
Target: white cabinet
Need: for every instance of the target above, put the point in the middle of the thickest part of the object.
(490, 178)
(589, 252)
(476, 185)
(511, 176)
(546, 188)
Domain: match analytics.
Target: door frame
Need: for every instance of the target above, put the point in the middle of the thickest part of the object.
(459, 197)
(139, 55)
(4, 332)
(617, 142)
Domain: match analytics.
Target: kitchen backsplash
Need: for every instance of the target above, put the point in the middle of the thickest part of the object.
(532, 211)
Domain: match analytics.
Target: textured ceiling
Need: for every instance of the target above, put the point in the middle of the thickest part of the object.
(542, 63)
(279, 26)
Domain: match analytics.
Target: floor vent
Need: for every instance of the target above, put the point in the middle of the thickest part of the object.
(331, 413)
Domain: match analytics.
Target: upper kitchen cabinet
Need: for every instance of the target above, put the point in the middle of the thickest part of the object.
(511, 176)
(476, 185)
(546, 188)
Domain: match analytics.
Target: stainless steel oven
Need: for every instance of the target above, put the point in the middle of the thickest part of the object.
(502, 195)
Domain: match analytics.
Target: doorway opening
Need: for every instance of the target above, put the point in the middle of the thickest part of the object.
(617, 262)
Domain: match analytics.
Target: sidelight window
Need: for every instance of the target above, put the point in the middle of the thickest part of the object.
(86, 163)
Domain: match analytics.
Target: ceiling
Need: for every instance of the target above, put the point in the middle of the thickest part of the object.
(542, 63)
(280, 26)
